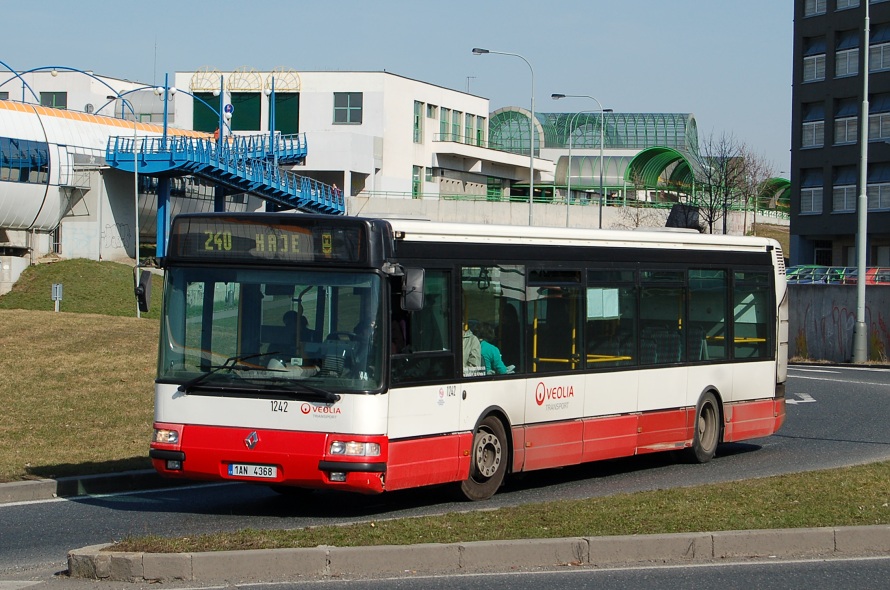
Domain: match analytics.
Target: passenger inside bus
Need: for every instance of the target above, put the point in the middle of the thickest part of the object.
(491, 355)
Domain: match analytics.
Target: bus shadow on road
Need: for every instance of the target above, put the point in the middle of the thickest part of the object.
(596, 479)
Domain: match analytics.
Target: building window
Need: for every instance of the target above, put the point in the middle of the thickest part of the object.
(814, 7)
(444, 123)
(429, 174)
(418, 122)
(814, 68)
(287, 112)
(204, 117)
(431, 111)
(811, 200)
(22, 160)
(822, 252)
(814, 59)
(879, 117)
(813, 126)
(845, 4)
(248, 106)
(4, 96)
(811, 191)
(347, 108)
(846, 121)
(879, 57)
(843, 196)
(455, 125)
(469, 126)
(846, 130)
(843, 199)
(879, 48)
(846, 63)
(813, 134)
(480, 131)
(417, 182)
(56, 100)
(878, 196)
(878, 126)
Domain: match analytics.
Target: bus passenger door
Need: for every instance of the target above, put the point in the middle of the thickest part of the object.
(424, 396)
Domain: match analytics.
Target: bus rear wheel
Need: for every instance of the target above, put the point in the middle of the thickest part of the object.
(488, 460)
(707, 430)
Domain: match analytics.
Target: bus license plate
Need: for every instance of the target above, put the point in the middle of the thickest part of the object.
(247, 470)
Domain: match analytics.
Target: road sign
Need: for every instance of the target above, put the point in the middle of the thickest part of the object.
(229, 108)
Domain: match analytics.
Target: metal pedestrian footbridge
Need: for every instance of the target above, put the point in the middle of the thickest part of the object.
(241, 164)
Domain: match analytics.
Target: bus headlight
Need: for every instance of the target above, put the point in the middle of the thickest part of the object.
(355, 448)
(166, 436)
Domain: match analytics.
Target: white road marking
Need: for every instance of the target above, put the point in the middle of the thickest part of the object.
(805, 398)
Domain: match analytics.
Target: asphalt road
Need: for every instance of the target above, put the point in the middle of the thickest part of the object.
(862, 574)
(836, 417)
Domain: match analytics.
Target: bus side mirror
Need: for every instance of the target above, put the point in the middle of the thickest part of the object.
(143, 289)
(412, 289)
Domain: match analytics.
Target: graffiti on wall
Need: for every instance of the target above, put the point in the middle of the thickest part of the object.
(822, 319)
(116, 236)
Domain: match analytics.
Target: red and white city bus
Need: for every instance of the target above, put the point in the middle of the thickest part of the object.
(308, 352)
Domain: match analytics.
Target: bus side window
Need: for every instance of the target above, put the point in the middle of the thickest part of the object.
(611, 325)
(707, 314)
(662, 317)
(490, 319)
(752, 316)
(556, 332)
(426, 353)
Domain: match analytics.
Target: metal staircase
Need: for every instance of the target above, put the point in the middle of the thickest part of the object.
(248, 164)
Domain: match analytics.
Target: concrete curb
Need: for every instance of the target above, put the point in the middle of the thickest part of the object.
(331, 562)
(82, 485)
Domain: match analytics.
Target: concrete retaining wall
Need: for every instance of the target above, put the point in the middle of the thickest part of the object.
(822, 318)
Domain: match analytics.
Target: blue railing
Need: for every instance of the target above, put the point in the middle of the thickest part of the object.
(242, 163)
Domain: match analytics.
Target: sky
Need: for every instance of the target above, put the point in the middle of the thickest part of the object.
(726, 62)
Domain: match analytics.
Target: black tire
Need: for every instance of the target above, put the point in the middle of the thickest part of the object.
(707, 430)
(488, 460)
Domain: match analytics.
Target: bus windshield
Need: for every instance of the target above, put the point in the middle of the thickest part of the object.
(231, 329)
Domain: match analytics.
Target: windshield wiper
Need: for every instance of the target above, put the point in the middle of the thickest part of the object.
(272, 390)
(231, 364)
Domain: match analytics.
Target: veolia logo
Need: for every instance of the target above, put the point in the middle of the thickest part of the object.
(310, 409)
(544, 393)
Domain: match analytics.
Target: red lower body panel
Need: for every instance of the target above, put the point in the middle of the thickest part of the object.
(302, 458)
(752, 419)
(428, 461)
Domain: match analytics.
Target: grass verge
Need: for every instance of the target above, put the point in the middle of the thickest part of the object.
(76, 392)
(839, 497)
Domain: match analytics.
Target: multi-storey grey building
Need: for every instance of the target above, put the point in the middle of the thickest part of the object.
(826, 117)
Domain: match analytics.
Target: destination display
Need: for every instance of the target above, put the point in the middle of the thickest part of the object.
(274, 238)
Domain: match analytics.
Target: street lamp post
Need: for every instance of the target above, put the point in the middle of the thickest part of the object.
(602, 140)
(860, 331)
(531, 128)
(135, 183)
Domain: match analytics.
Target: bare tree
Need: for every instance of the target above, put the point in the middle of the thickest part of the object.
(757, 172)
(635, 214)
(720, 171)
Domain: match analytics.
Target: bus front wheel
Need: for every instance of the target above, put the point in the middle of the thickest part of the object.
(488, 460)
(707, 430)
